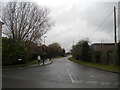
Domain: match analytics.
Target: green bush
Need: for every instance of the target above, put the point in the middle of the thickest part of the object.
(81, 51)
(12, 50)
(54, 50)
(86, 51)
(34, 56)
(76, 51)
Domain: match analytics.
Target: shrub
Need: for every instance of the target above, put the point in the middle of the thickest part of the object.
(86, 51)
(12, 50)
(34, 56)
(81, 51)
(54, 50)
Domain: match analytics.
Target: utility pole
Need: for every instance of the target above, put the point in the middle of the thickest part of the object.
(115, 26)
(115, 37)
(73, 43)
(44, 54)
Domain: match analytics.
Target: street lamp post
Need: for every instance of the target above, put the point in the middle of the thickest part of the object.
(44, 39)
(44, 50)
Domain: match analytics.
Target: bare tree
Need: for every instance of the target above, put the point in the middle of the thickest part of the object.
(26, 21)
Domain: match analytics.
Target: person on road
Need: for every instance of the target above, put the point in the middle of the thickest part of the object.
(39, 58)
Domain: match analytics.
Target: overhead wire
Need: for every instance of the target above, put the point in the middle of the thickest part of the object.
(101, 23)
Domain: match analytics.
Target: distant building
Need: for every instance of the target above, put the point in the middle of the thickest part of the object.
(106, 52)
(1, 23)
(99, 46)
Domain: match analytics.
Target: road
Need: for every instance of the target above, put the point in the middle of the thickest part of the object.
(62, 73)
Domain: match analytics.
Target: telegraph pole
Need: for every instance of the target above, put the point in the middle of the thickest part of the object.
(44, 53)
(115, 26)
(115, 37)
(73, 43)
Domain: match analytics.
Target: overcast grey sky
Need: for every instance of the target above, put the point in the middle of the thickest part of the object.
(79, 19)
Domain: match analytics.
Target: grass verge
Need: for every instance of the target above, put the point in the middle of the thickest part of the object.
(98, 66)
(22, 65)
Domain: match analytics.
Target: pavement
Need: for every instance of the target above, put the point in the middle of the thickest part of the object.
(61, 73)
(47, 62)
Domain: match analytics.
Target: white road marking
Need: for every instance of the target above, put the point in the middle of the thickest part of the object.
(86, 82)
(71, 78)
(91, 76)
(68, 70)
(105, 83)
(70, 74)
(73, 81)
(78, 81)
(91, 82)
(68, 61)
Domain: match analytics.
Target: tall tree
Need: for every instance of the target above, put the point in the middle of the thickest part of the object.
(26, 21)
(54, 50)
(81, 51)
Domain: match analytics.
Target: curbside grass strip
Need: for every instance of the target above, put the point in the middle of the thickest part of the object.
(25, 67)
(94, 65)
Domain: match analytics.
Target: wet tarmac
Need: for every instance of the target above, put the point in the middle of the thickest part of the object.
(62, 73)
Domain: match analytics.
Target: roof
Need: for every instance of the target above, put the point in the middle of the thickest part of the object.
(1, 22)
(103, 44)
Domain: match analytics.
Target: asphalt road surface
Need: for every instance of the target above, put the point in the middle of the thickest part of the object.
(62, 73)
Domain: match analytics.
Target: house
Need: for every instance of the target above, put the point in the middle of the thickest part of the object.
(107, 46)
(104, 52)
(1, 23)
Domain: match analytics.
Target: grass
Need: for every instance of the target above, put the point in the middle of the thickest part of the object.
(95, 65)
(22, 65)
(27, 64)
